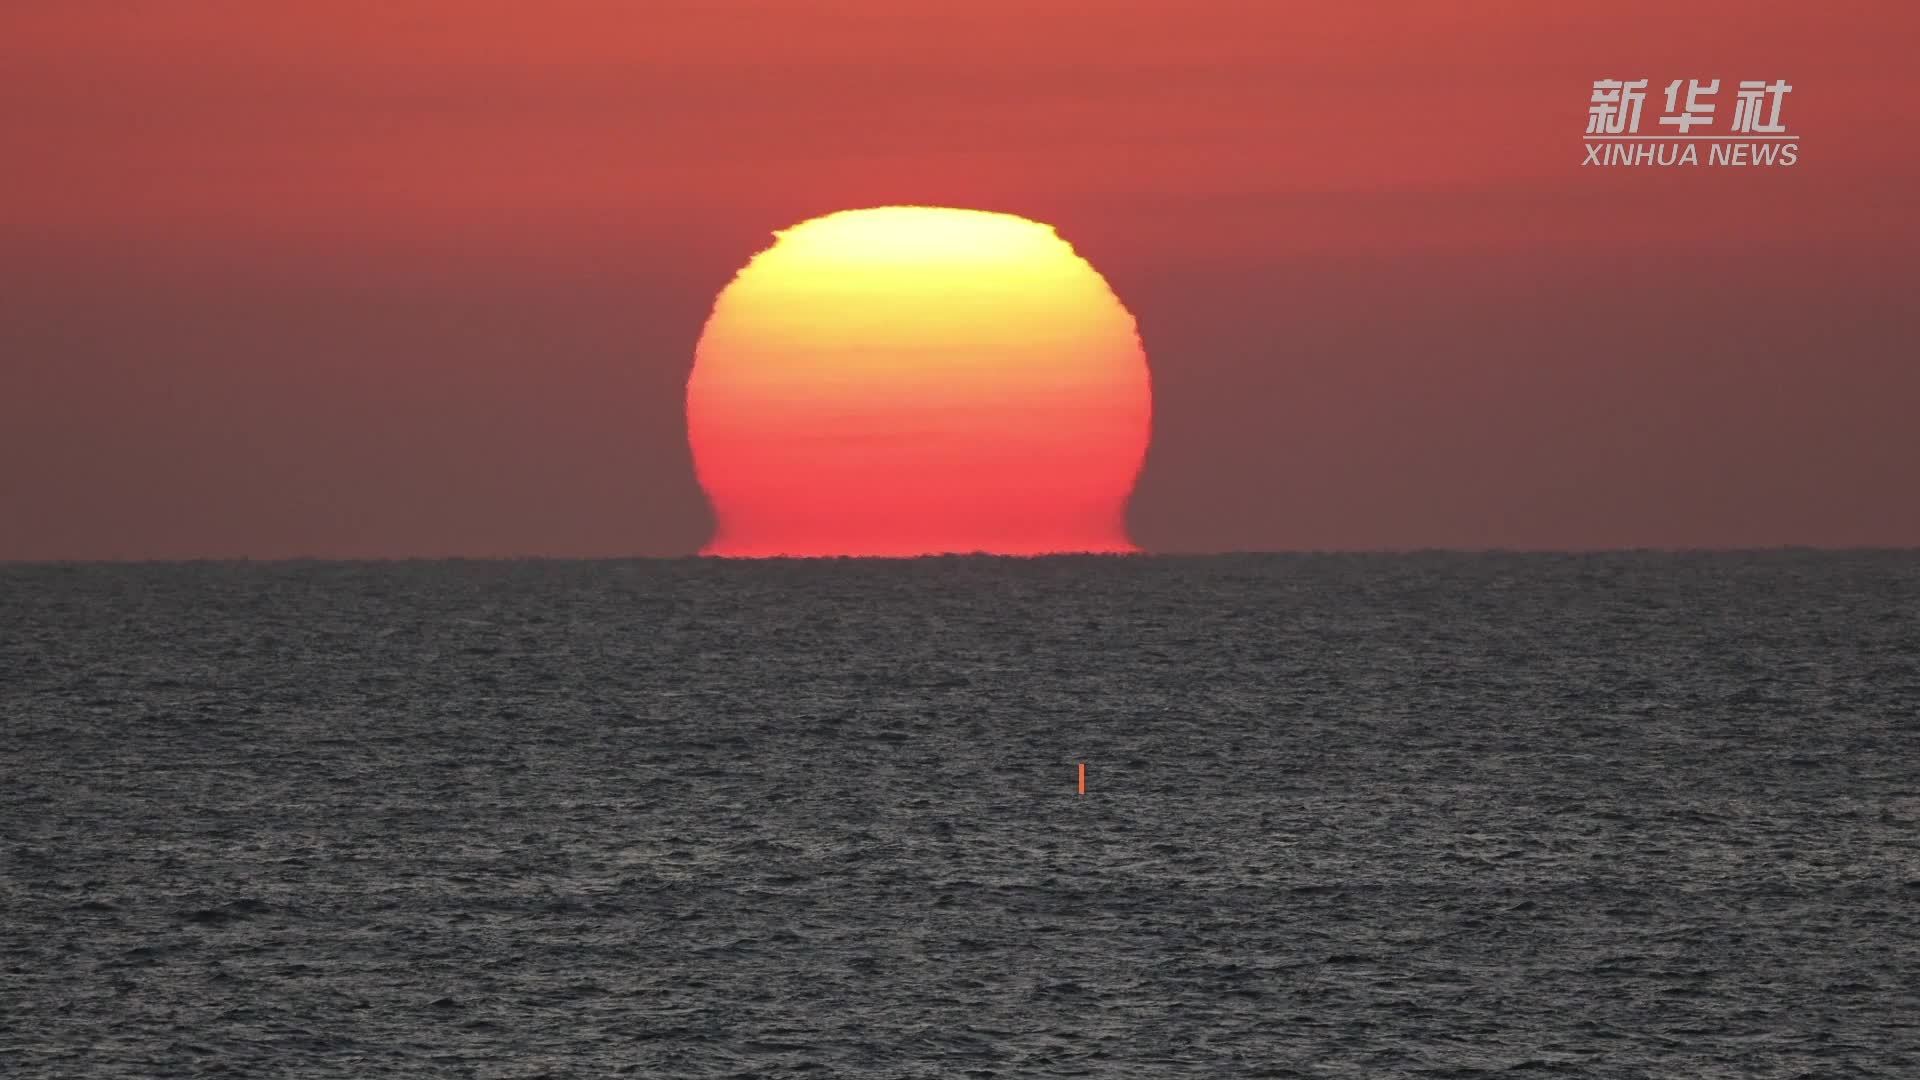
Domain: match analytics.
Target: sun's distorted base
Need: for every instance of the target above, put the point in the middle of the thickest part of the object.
(918, 380)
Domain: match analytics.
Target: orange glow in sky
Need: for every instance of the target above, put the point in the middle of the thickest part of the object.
(915, 380)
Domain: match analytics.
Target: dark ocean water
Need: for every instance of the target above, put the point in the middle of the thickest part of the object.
(1348, 816)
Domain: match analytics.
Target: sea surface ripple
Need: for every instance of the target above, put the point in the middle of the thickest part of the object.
(1426, 815)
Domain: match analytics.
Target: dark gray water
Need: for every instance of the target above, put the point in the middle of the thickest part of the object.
(1348, 816)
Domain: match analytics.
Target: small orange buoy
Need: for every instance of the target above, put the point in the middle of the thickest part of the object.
(1083, 778)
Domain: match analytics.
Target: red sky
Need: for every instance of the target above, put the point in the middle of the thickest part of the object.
(387, 279)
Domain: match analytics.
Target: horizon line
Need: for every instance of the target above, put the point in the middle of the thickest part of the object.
(1749, 549)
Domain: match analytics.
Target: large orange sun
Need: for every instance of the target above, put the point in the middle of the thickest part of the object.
(914, 380)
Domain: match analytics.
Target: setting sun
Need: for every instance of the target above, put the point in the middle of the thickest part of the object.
(917, 380)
